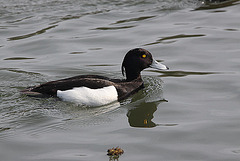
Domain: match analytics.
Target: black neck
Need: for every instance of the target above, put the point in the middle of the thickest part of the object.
(132, 75)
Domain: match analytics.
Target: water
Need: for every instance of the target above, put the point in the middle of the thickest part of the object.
(188, 113)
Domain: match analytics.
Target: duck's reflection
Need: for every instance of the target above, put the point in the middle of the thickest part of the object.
(142, 114)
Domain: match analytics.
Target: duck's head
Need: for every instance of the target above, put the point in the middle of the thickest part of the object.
(137, 60)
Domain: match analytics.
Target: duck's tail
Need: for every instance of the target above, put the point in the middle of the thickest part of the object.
(28, 91)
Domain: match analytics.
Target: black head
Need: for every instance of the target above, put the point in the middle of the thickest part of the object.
(137, 60)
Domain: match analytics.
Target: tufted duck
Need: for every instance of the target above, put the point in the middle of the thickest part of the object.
(94, 90)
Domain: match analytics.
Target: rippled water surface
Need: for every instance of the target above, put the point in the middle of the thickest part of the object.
(191, 112)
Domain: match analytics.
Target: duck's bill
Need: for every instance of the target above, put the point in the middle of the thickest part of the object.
(159, 66)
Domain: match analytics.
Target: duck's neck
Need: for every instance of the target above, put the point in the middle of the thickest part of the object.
(132, 76)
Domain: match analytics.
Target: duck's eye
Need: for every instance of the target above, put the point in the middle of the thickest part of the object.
(144, 56)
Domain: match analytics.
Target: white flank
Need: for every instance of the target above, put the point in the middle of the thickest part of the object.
(88, 96)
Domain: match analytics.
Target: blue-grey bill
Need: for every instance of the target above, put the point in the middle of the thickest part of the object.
(159, 66)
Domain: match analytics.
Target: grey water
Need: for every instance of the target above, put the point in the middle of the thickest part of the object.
(191, 112)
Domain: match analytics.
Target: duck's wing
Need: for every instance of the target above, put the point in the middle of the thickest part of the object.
(51, 88)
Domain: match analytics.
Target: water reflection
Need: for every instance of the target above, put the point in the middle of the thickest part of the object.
(114, 28)
(145, 103)
(133, 19)
(18, 58)
(174, 38)
(32, 34)
(142, 115)
(182, 73)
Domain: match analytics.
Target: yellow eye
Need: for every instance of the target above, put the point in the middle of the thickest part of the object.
(144, 56)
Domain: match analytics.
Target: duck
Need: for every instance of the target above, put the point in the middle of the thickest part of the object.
(96, 90)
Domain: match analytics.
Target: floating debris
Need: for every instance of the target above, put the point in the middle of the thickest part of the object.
(115, 152)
